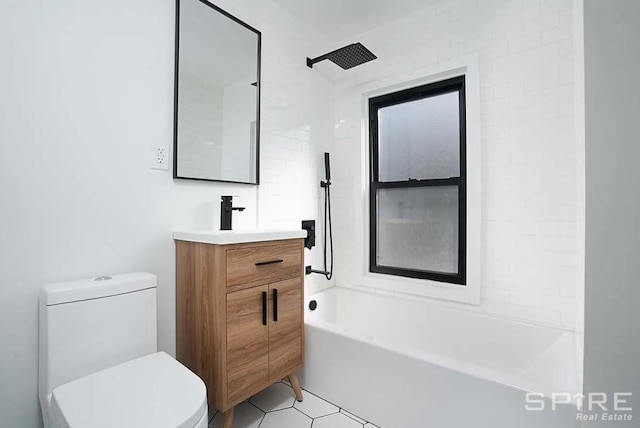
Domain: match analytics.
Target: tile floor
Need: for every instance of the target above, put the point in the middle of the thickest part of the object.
(276, 407)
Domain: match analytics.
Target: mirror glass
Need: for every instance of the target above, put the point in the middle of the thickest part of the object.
(217, 106)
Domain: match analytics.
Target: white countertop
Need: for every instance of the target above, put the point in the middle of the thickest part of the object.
(223, 237)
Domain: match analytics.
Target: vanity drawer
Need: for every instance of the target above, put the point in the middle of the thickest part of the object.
(263, 263)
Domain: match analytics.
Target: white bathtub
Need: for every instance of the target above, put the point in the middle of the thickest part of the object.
(405, 364)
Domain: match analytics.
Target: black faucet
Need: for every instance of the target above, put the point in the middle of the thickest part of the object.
(226, 209)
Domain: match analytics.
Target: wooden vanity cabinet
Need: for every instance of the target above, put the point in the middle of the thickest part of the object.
(239, 316)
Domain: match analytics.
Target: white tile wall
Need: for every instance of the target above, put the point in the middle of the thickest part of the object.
(530, 171)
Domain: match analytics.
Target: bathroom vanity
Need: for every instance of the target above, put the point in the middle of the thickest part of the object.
(239, 311)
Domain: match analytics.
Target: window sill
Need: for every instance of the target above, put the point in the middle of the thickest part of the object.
(469, 294)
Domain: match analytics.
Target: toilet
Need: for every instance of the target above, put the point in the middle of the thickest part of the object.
(98, 359)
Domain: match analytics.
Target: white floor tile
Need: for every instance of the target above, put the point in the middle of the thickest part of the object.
(276, 407)
(352, 416)
(245, 415)
(277, 396)
(337, 420)
(287, 418)
(315, 406)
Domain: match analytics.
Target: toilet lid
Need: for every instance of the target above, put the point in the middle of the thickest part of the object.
(152, 391)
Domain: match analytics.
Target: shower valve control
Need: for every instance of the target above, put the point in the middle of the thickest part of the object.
(310, 227)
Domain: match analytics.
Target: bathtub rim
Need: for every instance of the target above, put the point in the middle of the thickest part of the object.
(446, 362)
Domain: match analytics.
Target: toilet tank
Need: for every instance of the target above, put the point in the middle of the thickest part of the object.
(93, 324)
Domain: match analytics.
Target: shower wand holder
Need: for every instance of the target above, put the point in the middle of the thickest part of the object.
(324, 184)
(308, 271)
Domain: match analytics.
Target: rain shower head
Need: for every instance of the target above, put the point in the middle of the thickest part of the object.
(346, 57)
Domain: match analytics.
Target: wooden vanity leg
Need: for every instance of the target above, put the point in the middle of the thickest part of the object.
(228, 418)
(296, 386)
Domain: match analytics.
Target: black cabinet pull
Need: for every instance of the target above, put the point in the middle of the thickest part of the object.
(270, 262)
(275, 304)
(264, 308)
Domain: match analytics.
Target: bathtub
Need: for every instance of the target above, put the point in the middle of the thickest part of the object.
(401, 363)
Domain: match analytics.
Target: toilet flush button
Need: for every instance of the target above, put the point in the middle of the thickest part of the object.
(102, 278)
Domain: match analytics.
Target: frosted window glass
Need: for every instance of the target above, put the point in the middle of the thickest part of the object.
(417, 228)
(420, 139)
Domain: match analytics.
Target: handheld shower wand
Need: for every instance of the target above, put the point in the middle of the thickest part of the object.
(326, 185)
(327, 167)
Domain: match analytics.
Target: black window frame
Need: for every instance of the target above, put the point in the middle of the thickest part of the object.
(456, 84)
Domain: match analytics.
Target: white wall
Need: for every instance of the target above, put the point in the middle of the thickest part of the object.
(530, 178)
(87, 90)
(612, 294)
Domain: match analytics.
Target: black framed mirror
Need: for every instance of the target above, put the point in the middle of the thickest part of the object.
(217, 95)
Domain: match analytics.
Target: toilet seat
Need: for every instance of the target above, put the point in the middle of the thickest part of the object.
(152, 391)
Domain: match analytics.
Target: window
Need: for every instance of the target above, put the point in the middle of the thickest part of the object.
(418, 182)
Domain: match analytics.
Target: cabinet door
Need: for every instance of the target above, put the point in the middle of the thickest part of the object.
(285, 328)
(247, 341)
